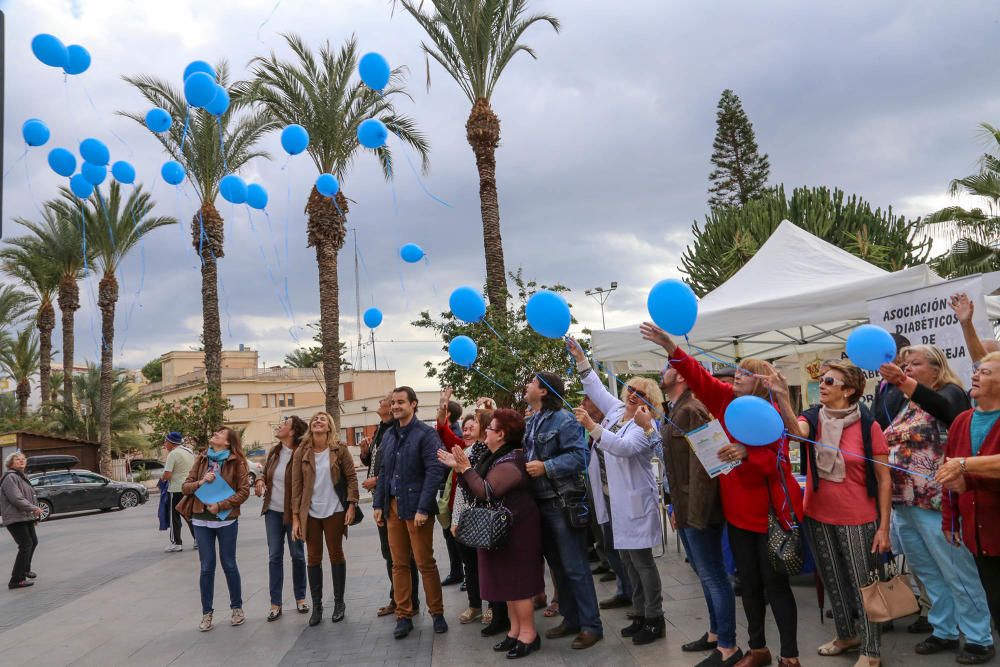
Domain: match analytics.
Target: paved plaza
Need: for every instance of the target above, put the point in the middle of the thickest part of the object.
(108, 595)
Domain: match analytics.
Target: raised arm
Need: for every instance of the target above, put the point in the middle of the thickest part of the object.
(592, 385)
(963, 307)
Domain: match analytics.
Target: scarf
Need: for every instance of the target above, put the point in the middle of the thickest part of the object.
(217, 457)
(490, 458)
(829, 459)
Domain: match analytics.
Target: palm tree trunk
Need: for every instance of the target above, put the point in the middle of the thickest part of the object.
(326, 232)
(23, 393)
(107, 297)
(69, 302)
(207, 237)
(46, 323)
(483, 133)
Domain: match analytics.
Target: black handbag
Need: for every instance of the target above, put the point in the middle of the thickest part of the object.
(359, 516)
(785, 549)
(485, 524)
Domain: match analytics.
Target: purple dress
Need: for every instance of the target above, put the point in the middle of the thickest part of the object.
(513, 572)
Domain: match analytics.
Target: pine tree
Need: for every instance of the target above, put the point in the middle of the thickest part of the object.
(740, 172)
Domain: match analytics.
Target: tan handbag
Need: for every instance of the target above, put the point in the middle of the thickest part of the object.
(891, 599)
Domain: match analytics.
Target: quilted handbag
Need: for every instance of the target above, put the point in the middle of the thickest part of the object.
(785, 549)
(484, 525)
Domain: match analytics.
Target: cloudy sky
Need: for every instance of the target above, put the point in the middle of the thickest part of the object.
(603, 164)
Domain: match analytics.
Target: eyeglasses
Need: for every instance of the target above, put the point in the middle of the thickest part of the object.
(490, 428)
(982, 371)
(831, 381)
(638, 392)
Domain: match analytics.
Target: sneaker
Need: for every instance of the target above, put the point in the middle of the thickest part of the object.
(934, 644)
(24, 583)
(173, 548)
(404, 626)
(239, 618)
(206, 622)
(975, 654)
(440, 625)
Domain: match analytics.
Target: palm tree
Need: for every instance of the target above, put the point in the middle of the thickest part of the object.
(56, 388)
(85, 423)
(114, 228)
(316, 92)
(14, 304)
(20, 358)
(60, 236)
(28, 260)
(474, 41)
(202, 135)
(974, 233)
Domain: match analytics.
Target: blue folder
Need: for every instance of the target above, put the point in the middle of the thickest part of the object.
(215, 492)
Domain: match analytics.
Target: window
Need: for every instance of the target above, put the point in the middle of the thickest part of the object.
(37, 481)
(88, 478)
(239, 401)
(58, 478)
(291, 400)
(264, 401)
(359, 434)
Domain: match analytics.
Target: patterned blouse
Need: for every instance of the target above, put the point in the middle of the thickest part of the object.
(463, 497)
(917, 443)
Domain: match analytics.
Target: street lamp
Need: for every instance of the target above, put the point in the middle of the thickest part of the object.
(601, 295)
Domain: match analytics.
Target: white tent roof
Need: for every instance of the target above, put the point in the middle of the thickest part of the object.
(797, 292)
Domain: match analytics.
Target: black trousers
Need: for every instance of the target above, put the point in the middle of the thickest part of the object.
(27, 540)
(760, 580)
(989, 573)
(471, 559)
(383, 538)
(454, 553)
(176, 520)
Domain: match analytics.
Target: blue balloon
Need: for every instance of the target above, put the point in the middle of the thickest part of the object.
(198, 66)
(49, 50)
(80, 186)
(467, 304)
(199, 89)
(77, 59)
(411, 253)
(94, 173)
(256, 196)
(869, 347)
(220, 103)
(463, 351)
(372, 133)
(95, 152)
(172, 172)
(62, 161)
(294, 139)
(374, 70)
(753, 421)
(158, 120)
(35, 132)
(233, 189)
(548, 314)
(327, 185)
(372, 318)
(673, 306)
(123, 172)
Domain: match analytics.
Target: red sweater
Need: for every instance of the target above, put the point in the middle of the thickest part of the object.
(450, 441)
(745, 499)
(977, 508)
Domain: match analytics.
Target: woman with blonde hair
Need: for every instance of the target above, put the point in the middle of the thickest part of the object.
(918, 439)
(324, 501)
(622, 469)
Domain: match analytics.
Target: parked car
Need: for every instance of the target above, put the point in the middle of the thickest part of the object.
(141, 469)
(43, 462)
(256, 469)
(79, 490)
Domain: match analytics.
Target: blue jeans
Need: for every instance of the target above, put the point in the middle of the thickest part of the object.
(704, 550)
(958, 601)
(277, 534)
(565, 549)
(624, 586)
(227, 556)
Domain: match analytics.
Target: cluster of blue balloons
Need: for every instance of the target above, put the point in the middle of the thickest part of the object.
(467, 304)
(411, 253)
(753, 421)
(673, 306)
(869, 347)
(72, 59)
(94, 168)
(463, 351)
(548, 314)
(201, 88)
(372, 318)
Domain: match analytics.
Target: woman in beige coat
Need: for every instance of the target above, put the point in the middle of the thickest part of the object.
(324, 501)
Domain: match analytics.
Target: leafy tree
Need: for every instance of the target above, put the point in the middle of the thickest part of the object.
(496, 363)
(85, 421)
(114, 226)
(975, 233)
(8, 409)
(153, 371)
(310, 357)
(318, 94)
(20, 359)
(474, 41)
(731, 236)
(196, 416)
(212, 148)
(740, 172)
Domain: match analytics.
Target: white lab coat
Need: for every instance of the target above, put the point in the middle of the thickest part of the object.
(628, 457)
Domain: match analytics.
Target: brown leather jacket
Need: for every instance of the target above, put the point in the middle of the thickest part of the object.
(233, 470)
(345, 480)
(694, 495)
(270, 464)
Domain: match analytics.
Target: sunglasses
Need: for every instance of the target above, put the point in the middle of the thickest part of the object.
(638, 392)
(831, 382)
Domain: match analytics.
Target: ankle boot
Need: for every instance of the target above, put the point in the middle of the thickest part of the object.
(636, 627)
(339, 584)
(654, 628)
(315, 574)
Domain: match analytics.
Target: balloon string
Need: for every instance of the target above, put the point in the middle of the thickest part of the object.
(488, 378)
(406, 155)
(795, 436)
(187, 118)
(640, 396)
(526, 365)
(269, 16)
(222, 148)
(110, 129)
(15, 162)
(712, 357)
(83, 227)
(270, 272)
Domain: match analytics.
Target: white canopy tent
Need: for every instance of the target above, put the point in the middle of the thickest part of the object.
(796, 294)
